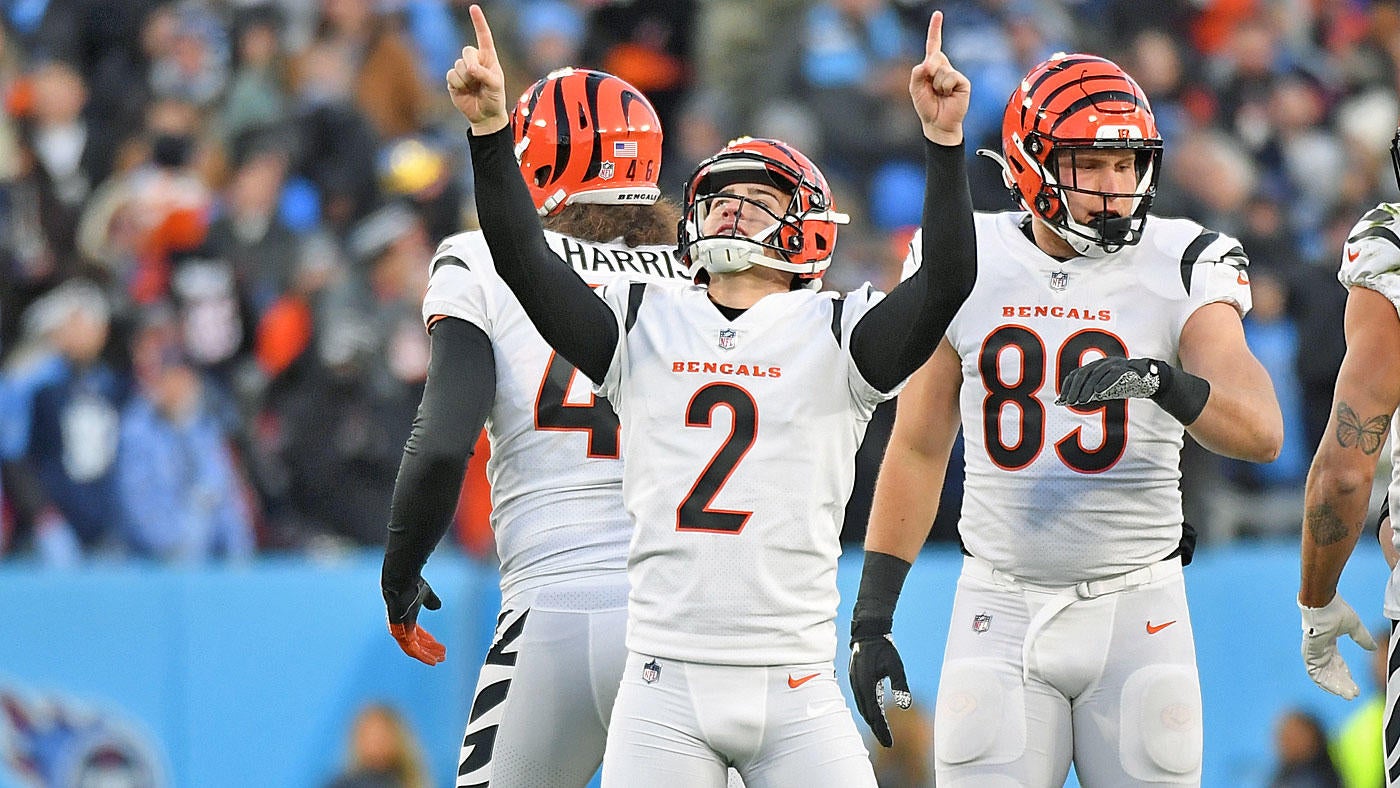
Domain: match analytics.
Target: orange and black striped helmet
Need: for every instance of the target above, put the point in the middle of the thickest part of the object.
(1067, 104)
(584, 136)
(800, 240)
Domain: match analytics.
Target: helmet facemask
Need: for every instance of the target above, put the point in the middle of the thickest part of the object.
(786, 237)
(1106, 232)
(1395, 156)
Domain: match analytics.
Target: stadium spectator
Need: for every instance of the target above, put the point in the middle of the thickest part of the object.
(1358, 746)
(70, 401)
(179, 488)
(257, 92)
(909, 763)
(382, 752)
(388, 85)
(1300, 744)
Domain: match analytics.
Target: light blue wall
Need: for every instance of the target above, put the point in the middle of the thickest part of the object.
(249, 675)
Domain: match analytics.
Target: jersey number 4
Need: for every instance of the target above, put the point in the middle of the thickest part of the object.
(553, 411)
(1022, 393)
(694, 513)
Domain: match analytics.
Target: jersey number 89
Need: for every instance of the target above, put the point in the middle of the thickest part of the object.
(1022, 393)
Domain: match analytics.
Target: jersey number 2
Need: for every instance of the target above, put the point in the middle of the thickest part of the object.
(694, 513)
(1021, 394)
(554, 412)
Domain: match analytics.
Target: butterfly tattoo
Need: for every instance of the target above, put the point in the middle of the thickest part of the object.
(1366, 435)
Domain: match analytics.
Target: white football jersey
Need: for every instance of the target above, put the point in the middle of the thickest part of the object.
(1371, 259)
(740, 438)
(555, 473)
(1055, 495)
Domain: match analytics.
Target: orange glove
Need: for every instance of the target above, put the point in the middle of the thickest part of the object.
(403, 623)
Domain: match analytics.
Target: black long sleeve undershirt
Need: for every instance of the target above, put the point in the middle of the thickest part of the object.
(899, 334)
(562, 307)
(892, 341)
(457, 397)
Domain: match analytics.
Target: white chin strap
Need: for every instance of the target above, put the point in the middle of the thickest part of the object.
(725, 255)
(1082, 246)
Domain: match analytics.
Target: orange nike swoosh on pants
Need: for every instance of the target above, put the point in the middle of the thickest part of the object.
(795, 683)
(1151, 630)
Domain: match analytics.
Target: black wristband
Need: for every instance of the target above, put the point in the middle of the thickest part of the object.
(1384, 511)
(1182, 394)
(881, 580)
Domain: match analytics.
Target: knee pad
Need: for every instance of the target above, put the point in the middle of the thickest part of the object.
(981, 715)
(1161, 723)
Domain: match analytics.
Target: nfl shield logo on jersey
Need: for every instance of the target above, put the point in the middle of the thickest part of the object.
(605, 171)
(1059, 280)
(651, 672)
(981, 622)
(726, 338)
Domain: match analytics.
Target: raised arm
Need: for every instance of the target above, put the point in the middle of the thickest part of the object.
(561, 305)
(890, 343)
(898, 335)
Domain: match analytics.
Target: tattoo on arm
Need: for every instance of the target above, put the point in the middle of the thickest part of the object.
(1366, 435)
(1325, 525)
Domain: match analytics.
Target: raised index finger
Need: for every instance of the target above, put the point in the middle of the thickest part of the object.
(934, 45)
(484, 42)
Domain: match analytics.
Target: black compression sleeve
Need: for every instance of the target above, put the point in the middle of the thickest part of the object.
(900, 333)
(881, 580)
(560, 304)
(458, 394)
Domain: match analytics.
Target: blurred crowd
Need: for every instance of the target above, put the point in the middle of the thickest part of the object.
(215, 218)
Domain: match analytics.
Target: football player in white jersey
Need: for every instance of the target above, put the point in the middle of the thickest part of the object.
(1365, 407)
(1094, 337)
(545, 692)
(743, 399)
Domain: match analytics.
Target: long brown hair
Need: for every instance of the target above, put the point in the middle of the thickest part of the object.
(636, 225)
(406, 759)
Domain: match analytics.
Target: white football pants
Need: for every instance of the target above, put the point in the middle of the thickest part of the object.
(1102, 673)
(680, 724)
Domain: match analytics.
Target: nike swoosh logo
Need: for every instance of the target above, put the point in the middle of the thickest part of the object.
(1352, 254)
(1151, 630)
(1242, 278)
(795, 683)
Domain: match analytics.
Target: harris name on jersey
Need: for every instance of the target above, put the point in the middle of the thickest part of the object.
(584, 256)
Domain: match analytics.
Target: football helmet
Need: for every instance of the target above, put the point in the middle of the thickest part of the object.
(584, 136)
(801, 237)
(1073, 103)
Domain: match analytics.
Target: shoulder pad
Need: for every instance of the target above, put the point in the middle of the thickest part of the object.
(1373, 246)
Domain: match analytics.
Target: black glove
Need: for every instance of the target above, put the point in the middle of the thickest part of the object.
(873, 659)
(1178, 392)
(873, 655)
(403, 606)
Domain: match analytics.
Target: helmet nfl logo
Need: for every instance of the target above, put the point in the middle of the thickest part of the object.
(981, 622)
(651, 672)
(726, 338)
(1059, 280)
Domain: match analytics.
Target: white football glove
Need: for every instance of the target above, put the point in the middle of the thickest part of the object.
(1321, 628)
